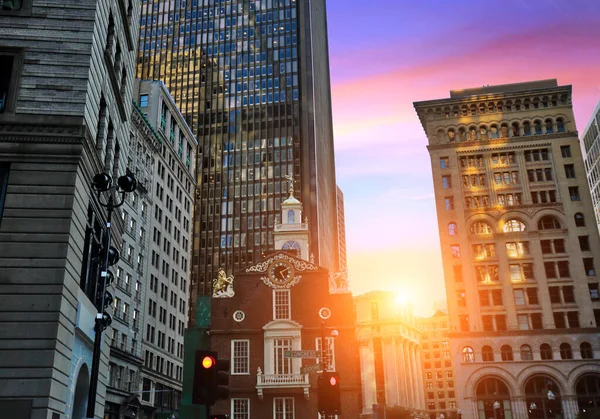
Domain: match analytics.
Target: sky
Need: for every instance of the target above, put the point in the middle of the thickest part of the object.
(386, 54)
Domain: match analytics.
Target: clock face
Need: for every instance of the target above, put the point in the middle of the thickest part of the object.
(281, 272)
(291, 245)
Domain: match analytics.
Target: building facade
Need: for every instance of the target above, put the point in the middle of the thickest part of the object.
(341, 218)
(166, 259)
(245, 76)
(390, 355)
(591, 147)
(438, 372)
(519, 248)
(66, 70)
(300, 303)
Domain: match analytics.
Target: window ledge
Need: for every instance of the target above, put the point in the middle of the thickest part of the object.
(126, 26)
(115, 85)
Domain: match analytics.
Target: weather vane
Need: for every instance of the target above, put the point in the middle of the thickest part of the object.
(290, 180)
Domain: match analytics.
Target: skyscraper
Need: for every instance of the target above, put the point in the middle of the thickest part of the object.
(519, 248)
(591, 145)
(252, 79)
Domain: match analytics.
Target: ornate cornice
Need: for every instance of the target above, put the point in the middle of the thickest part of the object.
(33, 133)
(509, 143)
(299, 264)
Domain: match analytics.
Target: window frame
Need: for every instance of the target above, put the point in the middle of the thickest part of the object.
(275, 305)
(233, 356)
(15, 75)
(4, 174)
(236, 415)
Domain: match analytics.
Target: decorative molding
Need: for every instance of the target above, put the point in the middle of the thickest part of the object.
(267, 281)
(508, 143)
(115, 85)
(299, 264)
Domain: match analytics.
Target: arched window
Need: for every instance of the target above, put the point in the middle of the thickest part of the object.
(462, 134)
(291, 217)
(565, 351)
(504, 131)
(526, 128)
(472, 134)
(481, 228)
(487, 354)
(588, 393)
(494, 131)
(586, 350)
(441, 136)
(483, 132)
(468, 354)
(549, 126)
(515, 129)
(493, 399)
(542, 396)
(560, 125)
(538, 127)
(451, 135)
(513, 225)
(579, 220)
(526, 353)
(452, 229)
(506, 353)
(548, 222)
(546, 351)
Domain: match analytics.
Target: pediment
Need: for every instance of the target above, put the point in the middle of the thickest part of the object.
(282, 325)
(300, 265)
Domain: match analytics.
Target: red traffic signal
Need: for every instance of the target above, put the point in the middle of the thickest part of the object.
(333, 380)
(328, 401)
(208, 362)
(211, 378)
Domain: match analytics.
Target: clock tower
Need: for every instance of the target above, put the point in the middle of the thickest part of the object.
(290, 232)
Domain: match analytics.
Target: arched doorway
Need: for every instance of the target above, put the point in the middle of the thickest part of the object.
(81, 393)
(542, 396)
(588, 394)
(493, 399)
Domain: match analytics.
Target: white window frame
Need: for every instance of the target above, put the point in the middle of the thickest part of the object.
(284, 413)
(240, 415)
(233, 356)
(330, 353)
(277, 292)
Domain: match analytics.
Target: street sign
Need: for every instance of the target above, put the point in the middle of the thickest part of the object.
(302, 354)
(311, 368)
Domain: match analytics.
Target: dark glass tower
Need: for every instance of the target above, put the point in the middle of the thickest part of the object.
(252, 79)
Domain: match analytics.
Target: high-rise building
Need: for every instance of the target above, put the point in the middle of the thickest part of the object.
(437, 369)
(66, 70)
(252, 79)
(591, 146)
(390, 355)
(166, 260)
(519, 248)
(341, 218)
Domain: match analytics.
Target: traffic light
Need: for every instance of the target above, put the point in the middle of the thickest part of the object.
(329, 393)
(211, 378)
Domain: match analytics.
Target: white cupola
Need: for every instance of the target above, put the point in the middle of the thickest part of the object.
(290, 232)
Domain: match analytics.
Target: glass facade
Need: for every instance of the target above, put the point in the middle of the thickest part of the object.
(235, 69)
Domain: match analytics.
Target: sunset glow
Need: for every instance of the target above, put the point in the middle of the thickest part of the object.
(383, 61)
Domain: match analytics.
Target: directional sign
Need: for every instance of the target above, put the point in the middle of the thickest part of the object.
(302, 354)
(311, 368)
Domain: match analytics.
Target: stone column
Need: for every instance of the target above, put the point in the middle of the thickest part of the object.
(389, 372)
(519, 408)
(569, 406)
(367, 369)
(411, 355)
(420, 381)
(407, 375)
(401, 372)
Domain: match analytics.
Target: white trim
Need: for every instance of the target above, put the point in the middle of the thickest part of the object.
(289, 303)
(233, 341)
(331, 342)
(235, 415)
(284, 407)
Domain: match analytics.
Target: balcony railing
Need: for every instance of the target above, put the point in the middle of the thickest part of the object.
(264, 381)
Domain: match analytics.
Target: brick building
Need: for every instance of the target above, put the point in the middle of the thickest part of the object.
(276, 305)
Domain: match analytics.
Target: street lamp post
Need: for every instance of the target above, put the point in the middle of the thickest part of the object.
(100, 184)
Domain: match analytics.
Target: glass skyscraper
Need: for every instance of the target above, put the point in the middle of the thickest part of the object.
(252, 79)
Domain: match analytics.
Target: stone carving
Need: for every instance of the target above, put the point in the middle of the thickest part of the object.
(299, 265)
(223, 285)
(339, 283)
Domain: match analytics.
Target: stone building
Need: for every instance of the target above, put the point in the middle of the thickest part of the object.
(281, 303)
(390, 355)
(438, 372)
(520, 248)
(66, 70)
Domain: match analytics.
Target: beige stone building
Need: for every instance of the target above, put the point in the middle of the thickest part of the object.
(438, 372)
(390, 360)
(519, 247)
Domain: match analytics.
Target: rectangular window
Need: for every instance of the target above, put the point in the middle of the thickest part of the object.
(458, 277)
(444, 162)
(588, 265)
(143, 101)
(532, 295)
(283, 407)
(8, 80)
(570, 171)
(574, 193)
(455, 250)
(549, 269)
(559, 320)
(519, 295)
(240, 408)
(594, 292)
(546, 246)
(446, 182)
(240, 350)
(536, 321)
(565, 151)
(449, 203)
(484, 298)
(568, 294)
(3, 185)
(281, 304)
(281, 364)
(573, 318)
(488, 323)
(584, 242)
(554, 294)
(563, 268)
(500, 322)
(497, 297)
(523, 321)
(329, 352)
